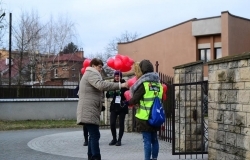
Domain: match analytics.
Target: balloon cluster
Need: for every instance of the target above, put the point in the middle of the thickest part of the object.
(120, 62)
(85, 64)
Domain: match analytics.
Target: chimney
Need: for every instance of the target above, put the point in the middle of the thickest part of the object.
(79, 53)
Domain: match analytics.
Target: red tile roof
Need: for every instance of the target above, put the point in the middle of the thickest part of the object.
(66, 57)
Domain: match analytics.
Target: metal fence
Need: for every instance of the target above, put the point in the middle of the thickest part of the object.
(17, 91)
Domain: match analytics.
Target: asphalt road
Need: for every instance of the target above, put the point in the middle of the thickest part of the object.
(13, 145)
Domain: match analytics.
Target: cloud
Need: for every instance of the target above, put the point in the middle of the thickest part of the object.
(99, 21)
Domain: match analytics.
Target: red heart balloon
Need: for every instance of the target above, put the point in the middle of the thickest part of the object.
(164, 97)
(110, 63)
(127, 95)
(83, 70)
(117, 64)
(164, 88)
(125, 68)
(132, 81)
(86, 62)
(131, 61)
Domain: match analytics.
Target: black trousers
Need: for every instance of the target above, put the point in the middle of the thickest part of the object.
(113, 117)
(85, 133)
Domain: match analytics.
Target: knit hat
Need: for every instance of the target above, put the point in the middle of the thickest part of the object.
(118, 73)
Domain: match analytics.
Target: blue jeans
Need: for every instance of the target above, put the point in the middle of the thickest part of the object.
(151, 145)
(94, 136)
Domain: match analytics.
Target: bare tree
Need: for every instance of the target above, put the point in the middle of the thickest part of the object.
(27, 35)
(124, 37)
(3, 24)
(111, 49)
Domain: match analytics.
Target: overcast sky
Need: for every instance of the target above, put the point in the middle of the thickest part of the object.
(100, 21)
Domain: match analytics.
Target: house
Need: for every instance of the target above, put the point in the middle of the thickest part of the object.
(19, 71)
(193, 40)
(62, 67)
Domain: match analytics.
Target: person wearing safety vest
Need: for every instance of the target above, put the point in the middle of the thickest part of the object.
(143, 92)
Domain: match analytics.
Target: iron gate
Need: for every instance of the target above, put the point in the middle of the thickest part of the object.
(190, 126)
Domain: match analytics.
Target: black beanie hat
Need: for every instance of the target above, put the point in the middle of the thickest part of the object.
(118, 73)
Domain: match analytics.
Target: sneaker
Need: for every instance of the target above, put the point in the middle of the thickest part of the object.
(113, 142)
(85, 143)
(118, 143)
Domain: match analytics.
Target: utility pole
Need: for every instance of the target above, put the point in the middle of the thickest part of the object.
(10, 60)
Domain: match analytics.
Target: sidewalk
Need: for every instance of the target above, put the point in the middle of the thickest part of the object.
(70, 144)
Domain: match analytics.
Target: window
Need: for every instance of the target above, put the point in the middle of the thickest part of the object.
(204, 55)
(73, 75)
(73, 69)
(55, 73)
(65, 68)
(217, 53)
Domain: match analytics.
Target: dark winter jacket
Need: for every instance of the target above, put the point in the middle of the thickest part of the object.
(138, 91)
(122, 107)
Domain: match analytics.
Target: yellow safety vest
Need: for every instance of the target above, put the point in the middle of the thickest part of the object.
(152, 89)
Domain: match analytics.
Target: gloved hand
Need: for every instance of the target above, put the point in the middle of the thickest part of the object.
(118, 92)
(103, 108)
(111, 93)
(124, 85)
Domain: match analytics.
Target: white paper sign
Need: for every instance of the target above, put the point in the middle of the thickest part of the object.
(118, 99)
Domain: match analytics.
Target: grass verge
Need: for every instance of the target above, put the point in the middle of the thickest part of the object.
(37, 124)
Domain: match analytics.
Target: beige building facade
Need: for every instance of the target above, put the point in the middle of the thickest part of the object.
(193, 40)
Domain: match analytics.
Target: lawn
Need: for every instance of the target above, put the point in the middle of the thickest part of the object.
(37, 124)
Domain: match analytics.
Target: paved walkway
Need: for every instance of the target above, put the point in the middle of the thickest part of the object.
(62, 144)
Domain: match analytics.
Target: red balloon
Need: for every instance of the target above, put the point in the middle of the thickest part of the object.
(164, 88)
(164, 97)
(127, 95)
(117, 64)
(132, 81)
(86, 63)
(131, 61)
(110, 63)
(126, 61)
(125, 68)
(83, 70)
(118, 56)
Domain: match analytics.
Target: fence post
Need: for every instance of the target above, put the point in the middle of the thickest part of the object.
(156, 66)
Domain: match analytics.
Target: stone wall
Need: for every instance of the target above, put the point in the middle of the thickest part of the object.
(188, 116)
(229, 108)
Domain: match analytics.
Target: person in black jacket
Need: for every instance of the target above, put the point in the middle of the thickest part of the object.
(117, 107)
(84, 128)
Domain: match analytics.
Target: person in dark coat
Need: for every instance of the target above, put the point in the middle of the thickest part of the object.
(84, 128)
(146, 76)
(117, 108)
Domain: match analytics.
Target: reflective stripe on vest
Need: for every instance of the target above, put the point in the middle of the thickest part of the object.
(152, 89)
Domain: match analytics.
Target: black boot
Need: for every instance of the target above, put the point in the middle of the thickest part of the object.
(89, 157)
(113, 142)
(98, 157)
(85, 143)
(118, 143)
